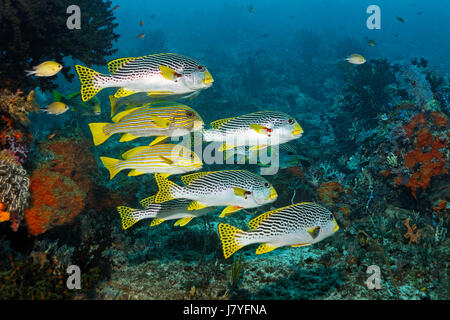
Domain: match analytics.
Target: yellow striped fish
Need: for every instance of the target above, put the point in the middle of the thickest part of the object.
(166, 159)
(176, 209)
(157, 75)
(298, 225)
(161, 119)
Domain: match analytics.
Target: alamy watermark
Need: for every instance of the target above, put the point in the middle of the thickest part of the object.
(374, 20)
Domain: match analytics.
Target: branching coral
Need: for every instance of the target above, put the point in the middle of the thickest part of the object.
(14, 192)
(33, 31)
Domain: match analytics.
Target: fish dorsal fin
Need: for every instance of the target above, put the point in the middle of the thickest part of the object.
(122, 114)
(133, 152)
(219, 123)
(187, 179)
(147, 201)
(254, 223)
(116, 64)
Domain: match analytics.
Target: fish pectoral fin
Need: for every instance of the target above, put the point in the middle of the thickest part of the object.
(195, 205)
(229, 210)
(264, 248)
(122, 92)
(159, 93)
(259, 128)
(259, 147)
(147, 201)
(160, 122)
(240, 192)
(166, 160)
(169, 73)
(226, 147)
(134, 173)
(158, 140)
(183, 221)
(155, 222)
(300, 245)
(127, 137)
(314, 232)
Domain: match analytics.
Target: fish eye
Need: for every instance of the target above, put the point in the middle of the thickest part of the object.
(201, 68)
(291, 121)
(267, 185)
(189, 114)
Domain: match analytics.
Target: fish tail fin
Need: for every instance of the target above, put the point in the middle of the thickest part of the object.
(87, 78)
(30, 72)
(229, 237)
(126, 214)
(167, 189)
(114, 105)
(98, 133)
(111, 165)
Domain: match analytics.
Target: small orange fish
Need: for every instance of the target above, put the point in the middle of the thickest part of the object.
(116, 7)
(51, 136)
(142, 35)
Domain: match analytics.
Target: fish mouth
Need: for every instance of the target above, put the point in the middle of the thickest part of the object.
(208, 79)
(336, 227)
(298, 131)
(273, 194)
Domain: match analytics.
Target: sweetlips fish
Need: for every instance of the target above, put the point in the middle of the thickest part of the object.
(157, 75)
(45, 69)
(162, 158)
(235, 189)
(141, 98)
(258, 130)
(285, 154)
(176, 209)
(297, 225)
(73, 100)
(163, 120)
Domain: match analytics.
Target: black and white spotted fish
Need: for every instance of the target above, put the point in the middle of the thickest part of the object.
(176, 209)
(235, 189)
(162, 158)
(163, 120)
(157, 74)
(297, 225)
(258, 129)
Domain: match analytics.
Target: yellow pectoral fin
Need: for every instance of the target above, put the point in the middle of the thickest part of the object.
(229, 210)
(155, 222)
(134, 173)
(160, 122)
(169, 73)
(314, 232)
(158, 140)
(184, 221)
(195, 205)
(158, 93)
(260, 147)
(300, 245)
(166, 160)
(225, 147)
(259, 128)
(122, 92)
(127, 137)
(264, 248)
(240, 192)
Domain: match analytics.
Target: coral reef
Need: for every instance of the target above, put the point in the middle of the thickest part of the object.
(35, 31)
(60, 186)
(14, 193)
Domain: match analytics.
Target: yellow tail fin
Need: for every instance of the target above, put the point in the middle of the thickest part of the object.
(114, 106)
(98, 133)
(166, 188)
(110, 164)
(87, 77)
(229, 237)
(126, 216)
